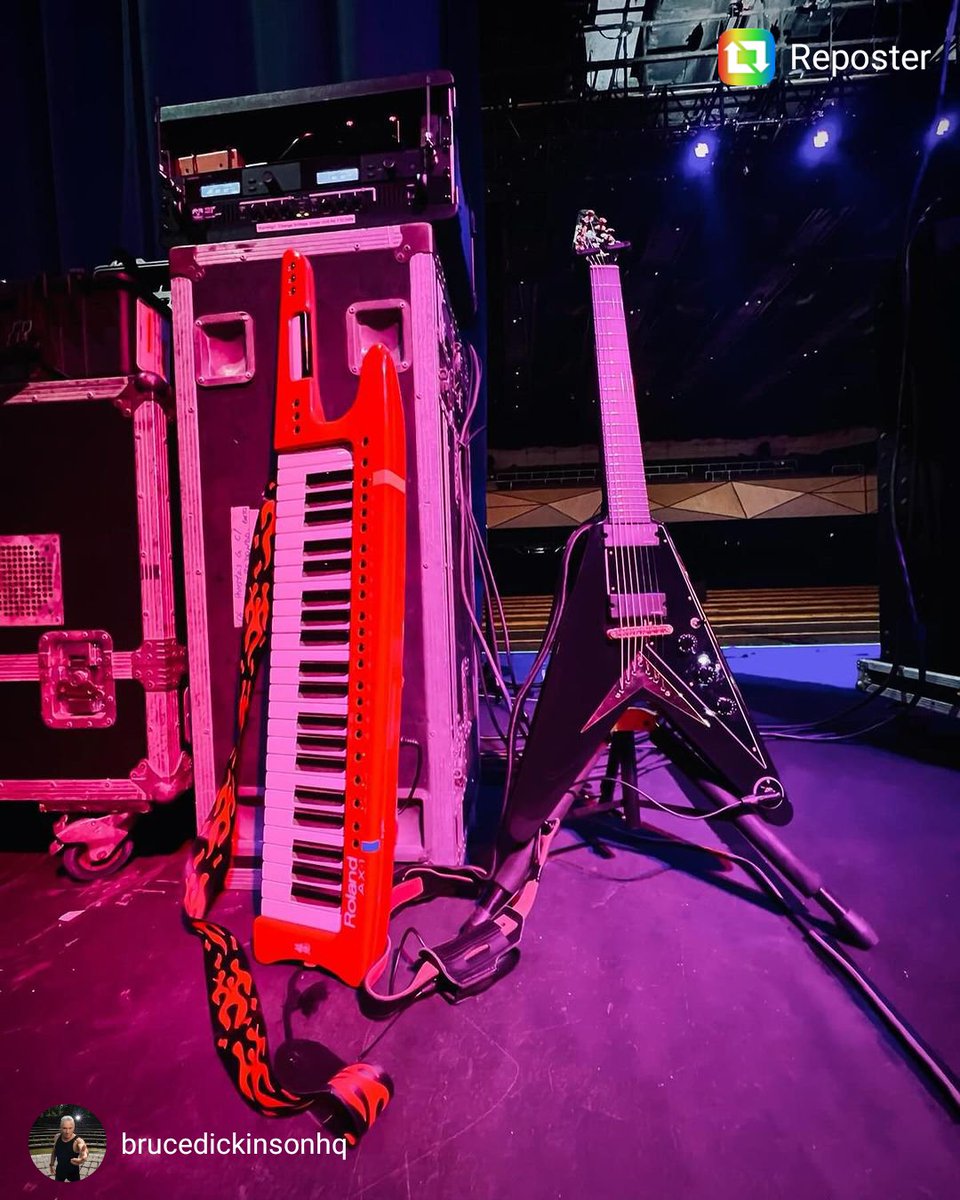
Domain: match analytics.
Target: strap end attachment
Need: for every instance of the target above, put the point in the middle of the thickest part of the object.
(477, 956)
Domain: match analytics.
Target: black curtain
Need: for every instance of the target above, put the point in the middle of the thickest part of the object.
(919, 483)
(82, 81)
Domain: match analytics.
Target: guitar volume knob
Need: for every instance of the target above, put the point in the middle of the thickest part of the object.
(687, 643)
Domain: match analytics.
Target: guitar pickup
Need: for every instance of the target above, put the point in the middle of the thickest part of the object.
(630, 534)
(638, 608)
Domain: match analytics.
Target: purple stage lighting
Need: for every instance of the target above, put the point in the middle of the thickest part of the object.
(819, 144)
(942, 127)
(699, 153)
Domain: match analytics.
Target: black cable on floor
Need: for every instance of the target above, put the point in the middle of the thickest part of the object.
(922, 1053)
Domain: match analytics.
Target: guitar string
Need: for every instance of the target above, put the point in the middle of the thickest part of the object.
(647, 554)
(639, 573)
(615, 506)
(636, 581)
(625, 534)
(613, 497)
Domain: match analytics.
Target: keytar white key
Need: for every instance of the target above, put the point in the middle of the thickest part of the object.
(306, 749)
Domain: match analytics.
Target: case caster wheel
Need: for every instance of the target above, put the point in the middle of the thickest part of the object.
(93, 846)
(82, 866)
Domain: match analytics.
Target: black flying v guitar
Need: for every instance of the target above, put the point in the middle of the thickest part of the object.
(628, 629)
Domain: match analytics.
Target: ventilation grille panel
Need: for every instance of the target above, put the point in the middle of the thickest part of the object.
(31, 586)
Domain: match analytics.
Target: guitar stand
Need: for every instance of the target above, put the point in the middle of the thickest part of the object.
(848, 925)
(622, 763)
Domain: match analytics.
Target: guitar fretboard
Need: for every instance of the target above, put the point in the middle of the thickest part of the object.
(623, 454)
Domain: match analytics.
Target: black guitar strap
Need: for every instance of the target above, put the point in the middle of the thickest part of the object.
(474, 957)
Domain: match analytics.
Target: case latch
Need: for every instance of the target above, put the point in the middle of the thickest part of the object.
(77, 689)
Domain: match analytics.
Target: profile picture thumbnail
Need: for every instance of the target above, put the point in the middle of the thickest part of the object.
(67, 1143)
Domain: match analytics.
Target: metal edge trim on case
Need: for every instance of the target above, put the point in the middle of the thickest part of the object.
(143, 389)
(164, 746)
(188, 441)
(159, 665)
(163, 787)
(409, 80)
(108, 387)
(25, 668)
(415, 238)
(184, 265)
(84, 795)
(444, 839)
(384, 237)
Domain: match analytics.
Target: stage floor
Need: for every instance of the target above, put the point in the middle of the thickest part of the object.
(666, 1033)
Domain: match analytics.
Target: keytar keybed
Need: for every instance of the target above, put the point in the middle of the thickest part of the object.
(335, 662)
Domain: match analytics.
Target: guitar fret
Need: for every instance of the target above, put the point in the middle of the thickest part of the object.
(623, 453)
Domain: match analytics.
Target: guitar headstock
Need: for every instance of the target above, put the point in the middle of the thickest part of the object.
(594, 239)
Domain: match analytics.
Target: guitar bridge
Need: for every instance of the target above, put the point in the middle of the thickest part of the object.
(639, 631)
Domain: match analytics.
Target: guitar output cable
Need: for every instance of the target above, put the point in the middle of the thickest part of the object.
(928, 1060)
(807, 732)
(736, 806)
(559, 603)
(471, 536)
(785, 735)
(414, 744)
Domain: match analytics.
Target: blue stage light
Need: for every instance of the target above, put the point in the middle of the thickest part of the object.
(943, 126)
(699, 153)
(819, 143)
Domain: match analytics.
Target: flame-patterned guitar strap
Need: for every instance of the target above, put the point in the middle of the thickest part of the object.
(359, 1092)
